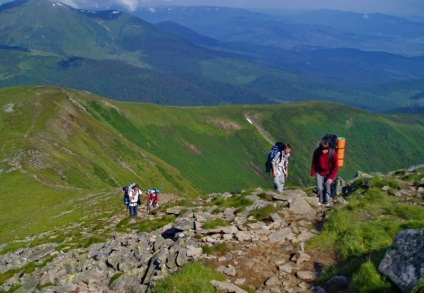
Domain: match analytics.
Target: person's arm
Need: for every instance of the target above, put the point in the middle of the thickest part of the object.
(286, 167)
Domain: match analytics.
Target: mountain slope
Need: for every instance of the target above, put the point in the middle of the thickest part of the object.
(87, 130)
(65, 147)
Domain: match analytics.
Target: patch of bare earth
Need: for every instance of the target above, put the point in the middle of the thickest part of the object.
(255, 262)
(225, 124)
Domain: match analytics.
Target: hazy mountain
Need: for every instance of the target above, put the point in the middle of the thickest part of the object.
(297, 29)
(116, 55)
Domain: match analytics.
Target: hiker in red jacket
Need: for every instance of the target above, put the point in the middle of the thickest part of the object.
(324, 167)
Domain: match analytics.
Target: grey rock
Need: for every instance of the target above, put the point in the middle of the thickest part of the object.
(286, 268)
(403, 263)
(182, 257)
(242, 236)
(300, 257)
(280, 235)
(194, 252)
(296, 193)
(305, 236)
(300, 206)
(127, 283)
(183, 224)
(227, 287)
(175, 210)
(273, 281)
(306, 275)
(338, 284)
(230, 271)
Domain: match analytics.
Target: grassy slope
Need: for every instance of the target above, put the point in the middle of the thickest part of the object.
(64, 144)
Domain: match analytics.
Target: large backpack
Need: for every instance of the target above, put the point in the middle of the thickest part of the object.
(277, 147)
(332, 140)
(126, 189)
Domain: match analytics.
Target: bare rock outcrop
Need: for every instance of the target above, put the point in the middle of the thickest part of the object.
(404, 261)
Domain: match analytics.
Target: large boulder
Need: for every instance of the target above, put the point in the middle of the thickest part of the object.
(404, 261)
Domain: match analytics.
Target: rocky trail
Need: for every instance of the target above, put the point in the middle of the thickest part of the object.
(266, 256)
(255, 253)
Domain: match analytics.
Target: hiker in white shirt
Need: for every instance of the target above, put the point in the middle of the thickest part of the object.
(280, 168)
(133, 197)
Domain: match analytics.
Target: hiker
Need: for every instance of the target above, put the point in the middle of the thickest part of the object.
(134, 197)
(153, 198)
(280, 169)
(126, 189)
(324, 167)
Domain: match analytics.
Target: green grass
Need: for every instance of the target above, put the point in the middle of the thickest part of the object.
(264, 213)
(114, 278)
(194, 277)
(145, 225)
(239, 202)
(215, 223)
(367, 279)
(419, 288)
(265, 196)
(221, 248)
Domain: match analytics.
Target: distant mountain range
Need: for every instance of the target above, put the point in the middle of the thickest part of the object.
(297, 30)
(204, 56)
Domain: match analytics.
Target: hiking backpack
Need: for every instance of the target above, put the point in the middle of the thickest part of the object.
(277, 147)
(126, 189)
(332, 140)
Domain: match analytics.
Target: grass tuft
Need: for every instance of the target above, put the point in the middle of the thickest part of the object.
(367, 279)
(194, 277)
(215, 223)
(222, 248)
(264, 213)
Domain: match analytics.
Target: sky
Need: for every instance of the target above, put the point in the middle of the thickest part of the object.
(393, 7)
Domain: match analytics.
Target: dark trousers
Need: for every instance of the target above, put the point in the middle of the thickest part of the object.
(133, 210)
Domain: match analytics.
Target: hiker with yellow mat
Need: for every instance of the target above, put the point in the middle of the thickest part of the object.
(325, 166)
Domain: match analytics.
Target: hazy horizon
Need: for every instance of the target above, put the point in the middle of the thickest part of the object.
(394, 7)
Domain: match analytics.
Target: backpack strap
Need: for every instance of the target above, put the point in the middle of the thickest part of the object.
(332, 150)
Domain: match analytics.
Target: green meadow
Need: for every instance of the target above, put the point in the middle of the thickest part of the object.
(61, 146)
